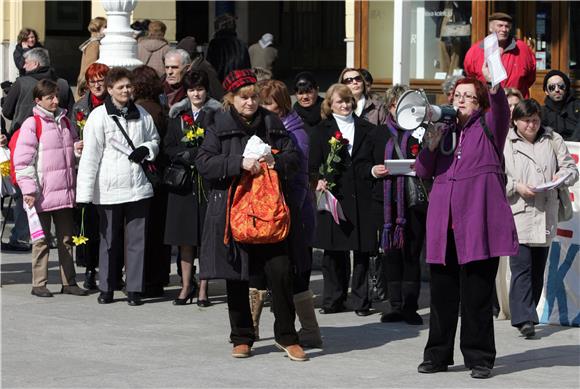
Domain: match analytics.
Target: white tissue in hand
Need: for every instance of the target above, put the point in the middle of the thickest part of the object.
(257, 148)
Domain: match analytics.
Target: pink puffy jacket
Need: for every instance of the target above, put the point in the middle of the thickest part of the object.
(45, 167)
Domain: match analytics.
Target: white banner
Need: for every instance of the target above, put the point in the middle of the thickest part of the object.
(560, 301)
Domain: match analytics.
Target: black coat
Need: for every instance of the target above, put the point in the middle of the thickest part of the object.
(185, 211)
(226, 52)
(563, 118)
(351, 190)
(219, 160)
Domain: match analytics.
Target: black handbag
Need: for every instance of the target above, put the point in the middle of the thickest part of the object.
(149, 168)
(177, 178)
(377, 278)
(416, 195)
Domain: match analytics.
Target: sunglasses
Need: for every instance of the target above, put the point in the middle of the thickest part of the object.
(350, 80)
(552, 87)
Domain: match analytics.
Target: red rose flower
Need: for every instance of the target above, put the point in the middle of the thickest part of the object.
(415, 150)
(338, 135)
(80, 116)
(187, 119)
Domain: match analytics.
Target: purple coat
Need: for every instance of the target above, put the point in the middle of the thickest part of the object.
(468, 194)
(299, 197)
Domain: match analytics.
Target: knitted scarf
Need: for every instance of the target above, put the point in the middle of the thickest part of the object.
(390, 239)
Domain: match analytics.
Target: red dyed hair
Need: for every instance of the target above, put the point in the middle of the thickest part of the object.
(480, 91)
(96, 70)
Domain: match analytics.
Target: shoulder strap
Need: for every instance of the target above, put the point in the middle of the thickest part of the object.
(116, 120)
(38, 123)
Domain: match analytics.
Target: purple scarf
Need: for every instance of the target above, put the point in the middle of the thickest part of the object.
(396, 240)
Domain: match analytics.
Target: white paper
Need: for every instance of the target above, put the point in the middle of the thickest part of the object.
(120, 146)
(36, 231)
(400, 167)
(493, 59)
(551, 185)
(418, 134)
(256, 148)
(4, 154)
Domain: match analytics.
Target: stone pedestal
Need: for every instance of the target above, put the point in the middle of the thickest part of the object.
(118, 47)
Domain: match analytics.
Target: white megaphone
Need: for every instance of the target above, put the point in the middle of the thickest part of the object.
(413, 109)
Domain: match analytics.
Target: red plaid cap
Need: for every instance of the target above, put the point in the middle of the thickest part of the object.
(238, 78)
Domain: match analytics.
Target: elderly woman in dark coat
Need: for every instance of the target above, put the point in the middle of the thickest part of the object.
(186, 207)
(356, 233)
(275, 97)
(220, 160)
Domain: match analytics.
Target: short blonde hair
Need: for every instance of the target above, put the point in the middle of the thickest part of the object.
(343, 92)
(245, 91)
(96, 24)
(156, 29)
(393, 93)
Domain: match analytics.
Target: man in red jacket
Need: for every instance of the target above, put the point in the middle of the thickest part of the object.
(517, 58)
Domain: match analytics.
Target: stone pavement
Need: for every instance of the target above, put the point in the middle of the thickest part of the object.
(73, 342)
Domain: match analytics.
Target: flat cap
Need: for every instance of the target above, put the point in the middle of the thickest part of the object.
(499, 16)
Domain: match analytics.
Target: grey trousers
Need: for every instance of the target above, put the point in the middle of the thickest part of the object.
(117, 223)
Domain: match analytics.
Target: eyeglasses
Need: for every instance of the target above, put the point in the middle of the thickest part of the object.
(552, 87)
(97, 82)
(465, 96)
(350, 80)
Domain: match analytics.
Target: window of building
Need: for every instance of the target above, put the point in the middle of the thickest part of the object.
(574, 44)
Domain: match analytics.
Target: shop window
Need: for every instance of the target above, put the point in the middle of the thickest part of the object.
(543, 36)
(574, 44)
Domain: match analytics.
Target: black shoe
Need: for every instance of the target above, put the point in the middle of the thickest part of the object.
(74, 290)
(105, 298)
(134, 299)
(362, 312)
(392, 317)
(429, 367)
(412, 318)
(481, 372)
(41, 291)
(90, 280)
(16, 246)
(327, 311)
(203, 303)
(189, 297)
(527, 329)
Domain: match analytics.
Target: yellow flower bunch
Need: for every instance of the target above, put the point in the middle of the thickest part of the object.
(5, 168)
(78, 240)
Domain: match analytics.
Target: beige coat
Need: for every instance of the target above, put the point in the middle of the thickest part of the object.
(534, 164)
(152, 52)
(90, 49)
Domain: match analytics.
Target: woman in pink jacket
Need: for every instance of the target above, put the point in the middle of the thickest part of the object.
(44, 162)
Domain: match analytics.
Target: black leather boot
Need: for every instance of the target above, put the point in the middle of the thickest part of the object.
(396, 301)
(410, 292)
(90, 280)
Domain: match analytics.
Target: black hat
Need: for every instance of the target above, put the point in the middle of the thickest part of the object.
(304, 81)
(188, 44)
(499, 16)
(556, 73)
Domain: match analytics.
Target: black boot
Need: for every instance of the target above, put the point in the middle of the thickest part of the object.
(411, 291)
(395, 298)
(90, 280)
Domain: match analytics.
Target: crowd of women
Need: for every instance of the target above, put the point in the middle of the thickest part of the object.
(482, 202)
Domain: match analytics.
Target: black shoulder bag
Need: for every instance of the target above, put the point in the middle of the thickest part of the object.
(149, 167)
(416, 195)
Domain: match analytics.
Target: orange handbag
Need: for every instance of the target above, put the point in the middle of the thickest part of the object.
(258, 212)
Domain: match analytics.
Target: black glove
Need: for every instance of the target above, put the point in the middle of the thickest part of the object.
(139, 154)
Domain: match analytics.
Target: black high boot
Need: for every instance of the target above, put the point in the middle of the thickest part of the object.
(411, 291)
(395, 298)
(90, 279)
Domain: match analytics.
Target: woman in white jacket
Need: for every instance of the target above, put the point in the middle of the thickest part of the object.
(534, 155)
(111, 176)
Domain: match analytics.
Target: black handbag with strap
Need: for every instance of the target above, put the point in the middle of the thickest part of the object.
(149, 168)
(178, 178)
(416, 195)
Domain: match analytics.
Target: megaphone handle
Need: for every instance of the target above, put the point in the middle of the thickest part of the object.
(453, 144)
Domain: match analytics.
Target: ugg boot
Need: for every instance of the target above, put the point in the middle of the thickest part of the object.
(396, 301)
(256, 305)
(411, 291)
(309, 334)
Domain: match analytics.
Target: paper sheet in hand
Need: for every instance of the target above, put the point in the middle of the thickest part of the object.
(400, 167)
(36, 231)
(256, 148)
(550, 185)
(120, 146)
(493, 59)
(325, 201)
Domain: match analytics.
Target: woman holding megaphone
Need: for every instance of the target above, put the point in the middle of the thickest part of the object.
(469, 225)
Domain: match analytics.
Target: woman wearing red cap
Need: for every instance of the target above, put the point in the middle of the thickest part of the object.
(220, 161)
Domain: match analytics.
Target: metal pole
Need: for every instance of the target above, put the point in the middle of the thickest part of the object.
(402, 42)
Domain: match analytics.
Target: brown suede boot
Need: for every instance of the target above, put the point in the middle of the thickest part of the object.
(294, 352)
(256, 305)
(309, 334)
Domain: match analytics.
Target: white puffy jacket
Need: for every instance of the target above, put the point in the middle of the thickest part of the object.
(106, 175)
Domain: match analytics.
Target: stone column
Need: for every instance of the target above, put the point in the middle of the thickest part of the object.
(118, 47)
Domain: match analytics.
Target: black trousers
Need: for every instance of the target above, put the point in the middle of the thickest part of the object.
(118, 221)
(87, 255)
(472, 284)
(527, 281)
(273, 261)
(301, 281)
(336, 274)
